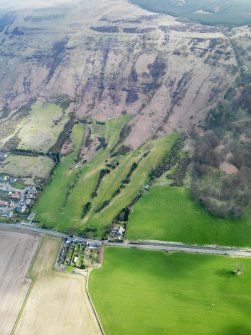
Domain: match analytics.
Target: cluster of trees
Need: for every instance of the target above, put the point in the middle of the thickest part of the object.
(71, 187)
(123, 215)
(168, 161)
(227, 135)
(229, 196)
(122, 150)
(86, 209)
(102, 206)
(126, 180)
(128, 176)
(102, 143)
(179, 174)
(102, 174)
(206, 154)
(113, 164)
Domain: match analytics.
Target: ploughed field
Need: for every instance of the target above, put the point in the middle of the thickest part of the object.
(57, 303)
(169, 214)
(16, 252)
(151, 292)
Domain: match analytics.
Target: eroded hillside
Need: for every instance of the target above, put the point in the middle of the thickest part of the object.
(101, 61)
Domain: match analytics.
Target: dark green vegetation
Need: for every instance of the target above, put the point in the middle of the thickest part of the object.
(18, 186)
(212, 12)
(221, 174)
(85, 197)
(169, 213)
(77, 255)
(221, 164)
(161, 293)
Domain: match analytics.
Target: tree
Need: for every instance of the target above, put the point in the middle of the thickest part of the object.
(238, 269)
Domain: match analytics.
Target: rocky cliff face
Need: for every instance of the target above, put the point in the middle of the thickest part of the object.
(109, 57)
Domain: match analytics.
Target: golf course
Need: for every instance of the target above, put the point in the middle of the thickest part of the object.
(105, 184)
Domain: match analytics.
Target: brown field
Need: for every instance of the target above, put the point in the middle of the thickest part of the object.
(16, 252)
(57, 303)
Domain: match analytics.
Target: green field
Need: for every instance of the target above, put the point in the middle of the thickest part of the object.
(151, 292)
(18, 186)
(74, 183)
(48, 211)
(140, 176)
(212, 12)
(169, 214)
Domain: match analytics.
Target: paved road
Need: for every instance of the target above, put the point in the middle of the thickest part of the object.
(32, 228)
(149, 245)
(180, 247)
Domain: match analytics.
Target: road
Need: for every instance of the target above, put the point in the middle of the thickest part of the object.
(32, 228)
(147, 245)
(180, 247)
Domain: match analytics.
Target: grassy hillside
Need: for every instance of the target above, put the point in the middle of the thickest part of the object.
(88, 195)
(161, 293)
(27, 167)
(46, 209)
(168, 213)
(213, 12)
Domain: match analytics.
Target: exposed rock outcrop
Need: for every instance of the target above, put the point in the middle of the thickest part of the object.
(162, 72)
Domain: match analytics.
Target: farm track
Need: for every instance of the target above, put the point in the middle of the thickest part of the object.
(148, 245)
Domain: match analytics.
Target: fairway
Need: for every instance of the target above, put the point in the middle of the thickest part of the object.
(150, 292)
(57, 303)
(50, 212)
(169, 214)
(75, 181)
